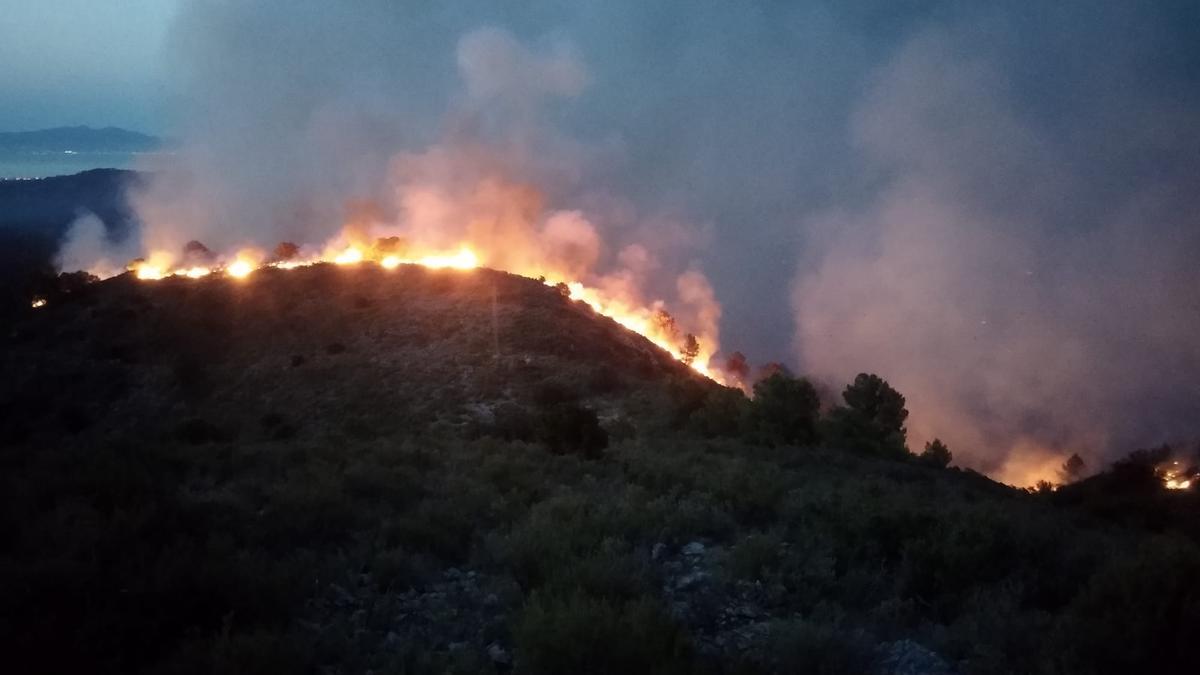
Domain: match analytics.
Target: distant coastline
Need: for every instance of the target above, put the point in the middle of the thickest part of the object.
(62, 151)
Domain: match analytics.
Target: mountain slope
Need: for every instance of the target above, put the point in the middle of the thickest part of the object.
(342, 469)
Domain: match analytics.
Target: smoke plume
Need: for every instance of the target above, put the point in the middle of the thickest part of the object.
(992, 206)
(1025, 311)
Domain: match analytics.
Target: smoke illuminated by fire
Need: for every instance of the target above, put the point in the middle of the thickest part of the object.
(498, 189)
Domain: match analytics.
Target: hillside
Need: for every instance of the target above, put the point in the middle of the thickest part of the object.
(35, 216)
(347, 469)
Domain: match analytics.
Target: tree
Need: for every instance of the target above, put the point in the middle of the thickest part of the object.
(286, 250)
(936, 454)
(664, 325)
(872, 421)
(689, 350)
(737, 366)
(785, 410)
(872, 396)
(1072, 469)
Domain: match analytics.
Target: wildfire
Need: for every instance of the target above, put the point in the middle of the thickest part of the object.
(646, 321)
(1175, 477)
(38, 303)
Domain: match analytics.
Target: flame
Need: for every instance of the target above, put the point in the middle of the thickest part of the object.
(349, 256)
(193, 272)
(1174, 476)
(37, 303)
(347, 250)
(465, 259)
(239, 269)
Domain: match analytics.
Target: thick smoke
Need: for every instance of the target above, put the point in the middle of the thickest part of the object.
(1025, 311)
(300, 128)
(993, 206)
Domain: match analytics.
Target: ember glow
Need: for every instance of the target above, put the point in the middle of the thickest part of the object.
(1175, 476)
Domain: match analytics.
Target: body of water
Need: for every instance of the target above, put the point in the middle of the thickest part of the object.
(17, 165)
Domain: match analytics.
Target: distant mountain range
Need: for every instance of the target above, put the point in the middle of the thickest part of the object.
(78, 139)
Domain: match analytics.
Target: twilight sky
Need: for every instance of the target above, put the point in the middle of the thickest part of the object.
(993, 205)
(69, 62)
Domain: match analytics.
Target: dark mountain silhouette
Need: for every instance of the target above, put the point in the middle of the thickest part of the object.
(78, 139)
(35, 216)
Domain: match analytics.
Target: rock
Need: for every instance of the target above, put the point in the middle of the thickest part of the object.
(691, 580)
(657, 552)
(693, 549)
(498, 654)
(905, 657)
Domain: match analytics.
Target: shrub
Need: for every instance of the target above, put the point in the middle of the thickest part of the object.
(805, 646)
(784, 411)
(1137, 615)
(512, 422)
(722, 414)
(582, 634)
(571, 428)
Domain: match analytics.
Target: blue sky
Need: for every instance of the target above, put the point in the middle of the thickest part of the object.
(68, 62)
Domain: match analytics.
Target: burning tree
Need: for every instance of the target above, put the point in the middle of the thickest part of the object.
(665, 325)
(286, 250)
(689, 350)
(737, 366)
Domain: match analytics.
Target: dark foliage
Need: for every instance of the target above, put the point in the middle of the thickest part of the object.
(785, 410)
(936, 454)
(571, 428)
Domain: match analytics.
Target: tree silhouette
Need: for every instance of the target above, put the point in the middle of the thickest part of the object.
(785, 410)
(872, 396)
(737, 366)
(690, 349)
(1072, 469)
(936, 454)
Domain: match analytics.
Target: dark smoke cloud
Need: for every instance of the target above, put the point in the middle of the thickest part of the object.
(991, 206)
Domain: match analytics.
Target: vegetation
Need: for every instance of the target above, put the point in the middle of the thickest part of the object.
(410, 504)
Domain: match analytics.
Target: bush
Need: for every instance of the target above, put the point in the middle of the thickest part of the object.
(722, 414)
(571, 428)
(785, 410)
(582, 634)
(801, 646)
(1137, 615)
(512, 422)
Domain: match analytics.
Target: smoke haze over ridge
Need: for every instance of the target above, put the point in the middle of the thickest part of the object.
(994, 208)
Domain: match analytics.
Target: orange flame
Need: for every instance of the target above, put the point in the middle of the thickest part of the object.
(616, 305)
